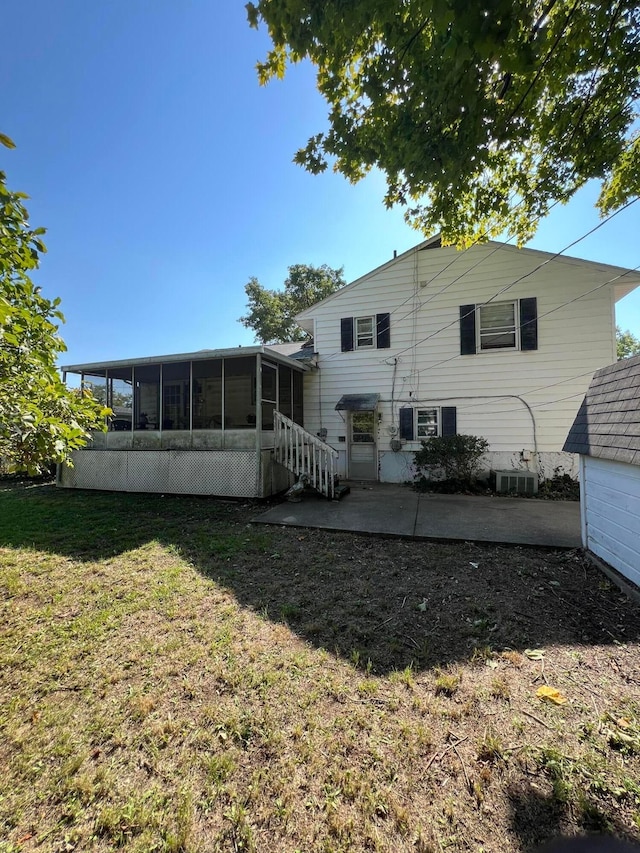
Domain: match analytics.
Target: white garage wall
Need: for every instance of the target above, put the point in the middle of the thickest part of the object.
(611, 513)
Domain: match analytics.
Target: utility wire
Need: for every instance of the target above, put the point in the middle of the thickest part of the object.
(481, 237)
(498, 397)
(550, 311)
(540, 405)
(497, 248)
(522, 277)
(454, 260)
(545, 60)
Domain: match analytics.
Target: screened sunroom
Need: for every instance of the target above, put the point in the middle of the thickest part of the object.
(195, 423)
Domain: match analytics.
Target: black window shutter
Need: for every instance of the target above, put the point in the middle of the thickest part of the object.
(449, 420)
(467, 330)
(406, 424)
(383, 331)
(346, 334)
(529, 323)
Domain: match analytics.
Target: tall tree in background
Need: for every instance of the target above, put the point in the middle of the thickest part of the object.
(479, 114)
(626, 343)
(41, 421)
(271, 312)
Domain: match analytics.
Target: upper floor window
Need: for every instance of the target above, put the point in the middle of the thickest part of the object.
(497, 328)
(370, 332)
(364, 332)
(512, 325)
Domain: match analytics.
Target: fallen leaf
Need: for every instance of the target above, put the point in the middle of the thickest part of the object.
(624, 724)
(534, 654)
(493, 664)
(423, 605)
(475, 565)
(551, 694)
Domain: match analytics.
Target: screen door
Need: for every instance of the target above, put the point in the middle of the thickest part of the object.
(363, 459)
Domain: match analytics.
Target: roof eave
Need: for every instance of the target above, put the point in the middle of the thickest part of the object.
(200, 355)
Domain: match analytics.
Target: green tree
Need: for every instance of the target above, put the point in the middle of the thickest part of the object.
(271, 312)
(626, 343)
(41, 421)
(480, 115)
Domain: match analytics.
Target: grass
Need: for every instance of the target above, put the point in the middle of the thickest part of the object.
(173, 678)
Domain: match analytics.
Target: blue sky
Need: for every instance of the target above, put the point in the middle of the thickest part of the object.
(163, 173)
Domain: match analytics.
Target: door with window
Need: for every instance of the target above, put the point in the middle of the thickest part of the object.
(363, 456)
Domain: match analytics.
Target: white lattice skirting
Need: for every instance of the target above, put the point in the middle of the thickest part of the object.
(229, 473)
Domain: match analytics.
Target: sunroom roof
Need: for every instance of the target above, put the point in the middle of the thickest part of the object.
(200, 355)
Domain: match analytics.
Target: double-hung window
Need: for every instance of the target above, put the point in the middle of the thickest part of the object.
(365, 330)
(419, 424)
(497, 326)
(427, 422)
(372, 331)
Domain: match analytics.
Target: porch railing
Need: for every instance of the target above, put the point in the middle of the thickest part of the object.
(304, 453)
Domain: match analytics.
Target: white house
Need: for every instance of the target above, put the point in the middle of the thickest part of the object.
(494, 341)
(606, 434)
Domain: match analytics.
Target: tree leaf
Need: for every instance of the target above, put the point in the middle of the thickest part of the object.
(271, 312)
(41, 421)
(465, 111)
(551, 694)
(8, 143)
(534, 654)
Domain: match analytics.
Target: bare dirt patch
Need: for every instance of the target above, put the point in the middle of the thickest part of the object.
(174, 678)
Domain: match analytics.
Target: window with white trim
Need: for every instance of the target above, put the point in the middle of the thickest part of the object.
(427, 423)
(498, 326)
(365, 328)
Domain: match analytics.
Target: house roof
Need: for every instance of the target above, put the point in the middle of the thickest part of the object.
(608, 422)
(274, 352)
(626, 279)
(297, 351)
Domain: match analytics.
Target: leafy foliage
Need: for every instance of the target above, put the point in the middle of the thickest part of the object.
(41, 420)
(271, 312)
(450, 457)
(627, 343)
(560, 487)
(468, 106)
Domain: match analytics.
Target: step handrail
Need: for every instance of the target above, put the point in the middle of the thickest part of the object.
(301, 452)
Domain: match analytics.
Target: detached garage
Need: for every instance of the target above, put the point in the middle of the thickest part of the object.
(606, 434)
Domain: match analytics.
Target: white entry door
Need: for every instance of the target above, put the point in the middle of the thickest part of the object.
(363, 457)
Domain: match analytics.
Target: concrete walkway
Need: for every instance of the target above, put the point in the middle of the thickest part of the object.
(396, 510)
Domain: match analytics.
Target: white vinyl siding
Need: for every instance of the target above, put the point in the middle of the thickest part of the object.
(611, 513)
(496, 395)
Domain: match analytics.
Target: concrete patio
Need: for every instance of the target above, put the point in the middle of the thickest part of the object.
(396, 510)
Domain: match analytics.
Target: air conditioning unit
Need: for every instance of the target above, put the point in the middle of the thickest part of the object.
(516, 482)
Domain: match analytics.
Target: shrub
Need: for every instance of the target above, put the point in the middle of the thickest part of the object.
(450, 457)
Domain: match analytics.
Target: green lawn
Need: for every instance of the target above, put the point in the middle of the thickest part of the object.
(174, 678)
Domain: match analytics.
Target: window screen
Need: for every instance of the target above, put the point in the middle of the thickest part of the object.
(497, 325)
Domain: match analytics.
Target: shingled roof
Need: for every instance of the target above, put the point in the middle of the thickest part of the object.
(608, 422)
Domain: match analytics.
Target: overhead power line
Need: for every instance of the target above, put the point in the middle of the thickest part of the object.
(520, 278)
(546, 313)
